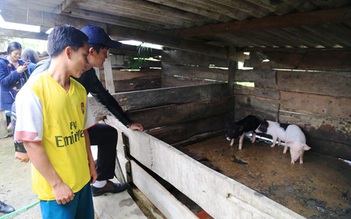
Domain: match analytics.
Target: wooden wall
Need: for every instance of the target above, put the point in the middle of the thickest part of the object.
(186, 68)
(128, 76)
(310, 90)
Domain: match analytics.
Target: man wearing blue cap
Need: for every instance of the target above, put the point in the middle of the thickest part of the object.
(102, 135)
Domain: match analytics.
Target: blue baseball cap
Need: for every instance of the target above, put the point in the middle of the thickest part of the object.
(97, 35)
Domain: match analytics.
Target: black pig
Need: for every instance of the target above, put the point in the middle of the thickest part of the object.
(239, 128)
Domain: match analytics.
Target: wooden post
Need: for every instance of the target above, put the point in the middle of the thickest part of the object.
(233, 66)
(110, 86)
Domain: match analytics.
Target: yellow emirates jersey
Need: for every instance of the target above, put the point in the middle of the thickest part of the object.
(55, 117)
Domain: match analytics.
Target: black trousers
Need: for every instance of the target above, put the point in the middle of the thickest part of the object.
(105, 137)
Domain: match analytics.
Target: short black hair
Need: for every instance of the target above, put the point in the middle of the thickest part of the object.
(63, 36)
(97, 47)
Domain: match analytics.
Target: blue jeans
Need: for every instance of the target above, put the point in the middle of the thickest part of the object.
(81, 207)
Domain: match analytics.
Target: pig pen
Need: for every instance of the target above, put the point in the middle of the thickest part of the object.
(319, 188)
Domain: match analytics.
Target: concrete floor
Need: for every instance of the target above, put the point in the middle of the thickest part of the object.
(15, 190)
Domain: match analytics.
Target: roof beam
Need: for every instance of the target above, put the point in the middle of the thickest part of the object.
(69, 5)
(117, 32)
(283, 21)
(22, 34)
(168, 41)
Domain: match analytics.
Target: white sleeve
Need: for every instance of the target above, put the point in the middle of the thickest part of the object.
(29, 123)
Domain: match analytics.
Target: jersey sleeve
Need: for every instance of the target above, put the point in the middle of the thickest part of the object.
(29, 124)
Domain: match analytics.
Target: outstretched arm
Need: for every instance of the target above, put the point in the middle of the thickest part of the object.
(94, 86)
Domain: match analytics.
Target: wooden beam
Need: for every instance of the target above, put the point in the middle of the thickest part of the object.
(326, 59)
(168, 41)
(283, 21)
(23, 34)
(115, 31)
(69, 5)
(158, 195)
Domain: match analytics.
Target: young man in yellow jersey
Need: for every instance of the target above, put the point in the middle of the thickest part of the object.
(102, 135)
(53, 116)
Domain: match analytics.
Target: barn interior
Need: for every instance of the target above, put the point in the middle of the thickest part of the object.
(282, 60)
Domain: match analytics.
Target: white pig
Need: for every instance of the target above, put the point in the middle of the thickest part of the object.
(296, 140)
(275, 129)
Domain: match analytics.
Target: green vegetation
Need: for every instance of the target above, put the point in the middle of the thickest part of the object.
(143, 54)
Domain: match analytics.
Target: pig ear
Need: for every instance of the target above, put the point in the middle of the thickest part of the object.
(306, 147)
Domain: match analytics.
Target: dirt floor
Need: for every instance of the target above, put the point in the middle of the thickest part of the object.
(15, 184)
(319, 188)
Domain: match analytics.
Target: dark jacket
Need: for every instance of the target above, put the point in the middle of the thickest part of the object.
(10, 82)
(94, 86)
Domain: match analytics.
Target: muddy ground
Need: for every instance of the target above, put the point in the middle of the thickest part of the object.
(319, 188)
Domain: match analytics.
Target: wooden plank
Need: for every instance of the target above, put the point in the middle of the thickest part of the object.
(330, 148)
(331, 129)
(195, 72)
(283, 21)
(170, 41)
(130, 75)
(131, 50)
(259, 76)
(268, 93)
(158, 97)
(243, 111)
(200, 183)
(23, 34)
(336, 84)
(181, 57)
(332, 59)
(232, 69)
(183, 131)
(260, 107)
(135, 100)
(256, 103)
(158, 195)
(69, 5)
(170, 81)
(137, 84)
(313, 104)
(181, 113)
(213, 6)
(193, 9)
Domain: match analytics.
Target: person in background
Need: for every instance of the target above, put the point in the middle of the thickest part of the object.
(13, 74)
(5, 208)
(31, 56)
(102, 135)
(53, 116)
